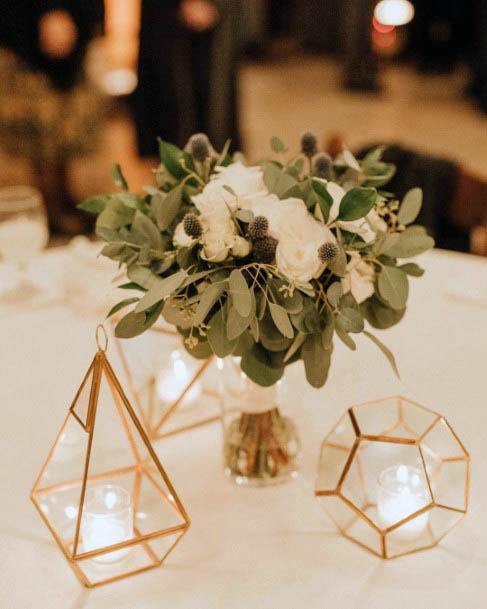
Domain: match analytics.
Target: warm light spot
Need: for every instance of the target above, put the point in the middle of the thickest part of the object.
(394, 12)
(380, 27)
(119, 82)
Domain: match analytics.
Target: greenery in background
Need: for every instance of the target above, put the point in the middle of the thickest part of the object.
(237, 297)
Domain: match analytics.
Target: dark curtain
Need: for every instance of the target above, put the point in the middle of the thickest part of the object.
(187, 80)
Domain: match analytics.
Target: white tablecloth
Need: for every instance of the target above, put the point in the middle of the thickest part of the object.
(258, 548)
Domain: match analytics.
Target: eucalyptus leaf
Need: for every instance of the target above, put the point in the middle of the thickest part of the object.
(217, 336)
(316, 360)
(410, 206)
(393, 286)
(145, 230)
(344, 336)
(276, 181)
(257, 364)
(412, 242)
(240, 293)
(385, 350)
(118, 177)
(277, 145)
(295, 346)
(142, 276)
(133, 324)
(350, 320)
(160, 290)
(115, 215)
(281, 319)
(171, 156)
(413, 269)
(94, 205)
(207, 300)
(236, 323)
(121, 305)
(164, 208)
(334, 293)
(379, 315)
(357, 203)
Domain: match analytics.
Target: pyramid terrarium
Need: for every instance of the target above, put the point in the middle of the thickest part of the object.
(103, 492)
(172, 391)
(393, 476)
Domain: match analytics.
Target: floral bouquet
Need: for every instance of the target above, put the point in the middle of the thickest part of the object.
(267, 262)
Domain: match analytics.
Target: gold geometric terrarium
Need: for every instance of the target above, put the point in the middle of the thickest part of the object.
(172, 390)
(103, 492)
(393, 476)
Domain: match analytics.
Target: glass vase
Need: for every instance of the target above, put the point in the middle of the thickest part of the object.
(261, 446)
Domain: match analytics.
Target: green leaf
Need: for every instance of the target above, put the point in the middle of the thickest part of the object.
(131, 325)
(387, 352)
(325, 200)
(393, 286)
(165, 208)
(207, 300)
(160, 290)
(217, 336)
(145, 231)
(412, 242)
(118, 178)
(379, 315)
(316, 360)
(115, 215)
(327, 334)
(175, 316)
(258, 365)
(410, 206)
(281, 319)
(357, 203)
(236, 324)
(121, 305)
(200, 351)
(277, 145)
(344, 336)
(170, 157)
(276, 180)
(131, 285)
(334, 293)
(350, 320)
(94, 205)
(244, 215)
(141, 276)
(240, 293)
(413, 269)
(295, 345)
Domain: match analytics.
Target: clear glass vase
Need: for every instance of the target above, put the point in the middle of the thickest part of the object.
(261, 446)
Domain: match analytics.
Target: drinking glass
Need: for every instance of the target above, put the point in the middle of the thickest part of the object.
(23, 235)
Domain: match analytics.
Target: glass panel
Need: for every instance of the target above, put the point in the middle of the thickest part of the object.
(415, 419)
(442, 521)
(411, 536)
(378, 418)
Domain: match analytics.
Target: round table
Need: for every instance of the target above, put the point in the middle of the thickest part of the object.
(250, 548)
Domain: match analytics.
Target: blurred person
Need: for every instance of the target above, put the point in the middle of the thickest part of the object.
(186, 72)
(48, 112)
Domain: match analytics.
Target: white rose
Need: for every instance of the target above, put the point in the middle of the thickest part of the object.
(180, 238)
(300, 236)
(218, 236)
(240, 247)
(214, 199)
(359, 278)
(244, 181)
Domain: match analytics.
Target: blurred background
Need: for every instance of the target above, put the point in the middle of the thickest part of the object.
(84, 83)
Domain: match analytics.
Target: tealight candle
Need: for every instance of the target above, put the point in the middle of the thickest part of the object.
(107, 520)
(174, 379)
(402, 491)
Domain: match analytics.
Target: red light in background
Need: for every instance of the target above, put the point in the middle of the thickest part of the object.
(380, 27)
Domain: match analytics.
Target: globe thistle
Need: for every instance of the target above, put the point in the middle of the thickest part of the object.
(192, 226)
(258, 227)
(309, 144)
(328, 251)
(322, 164)
(264, 250)
(200, 147)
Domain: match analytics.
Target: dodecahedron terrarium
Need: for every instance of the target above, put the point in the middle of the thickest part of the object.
(393, 476)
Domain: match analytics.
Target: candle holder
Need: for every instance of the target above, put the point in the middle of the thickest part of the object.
(102, 491)
(172, 390)
(393, 476)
